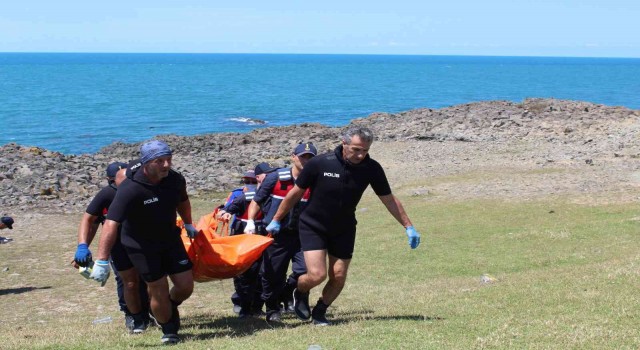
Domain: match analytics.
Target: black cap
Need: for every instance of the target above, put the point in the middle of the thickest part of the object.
(7, 221)
(264, 168)
(249, 174)
(113, 168)
(305, 148)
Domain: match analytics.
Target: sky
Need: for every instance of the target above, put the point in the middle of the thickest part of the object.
(575, 28)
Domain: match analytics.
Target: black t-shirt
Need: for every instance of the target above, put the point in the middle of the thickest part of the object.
(147, 211)
(101, 202)
(336, 189)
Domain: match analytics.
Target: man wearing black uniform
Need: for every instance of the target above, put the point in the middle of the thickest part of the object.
(328, 224)
(286, 243)
(92, 218)
(6, 222)
(146, 205)
(231, 211)
(248, 285)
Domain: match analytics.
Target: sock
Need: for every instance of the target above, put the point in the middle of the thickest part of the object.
(320, 308)
(175, 315)
(169, 327)
(139, 317)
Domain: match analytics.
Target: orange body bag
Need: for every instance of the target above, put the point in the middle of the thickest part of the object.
(216, 255)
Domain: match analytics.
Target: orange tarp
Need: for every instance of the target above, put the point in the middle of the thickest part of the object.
(216, 255)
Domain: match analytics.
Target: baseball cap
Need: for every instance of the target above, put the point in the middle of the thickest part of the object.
(264, 168)
(113, 168)
(250, 174)
(305, 148)
(8, 221)
(153, 149)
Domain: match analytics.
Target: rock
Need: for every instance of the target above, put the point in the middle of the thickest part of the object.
(32, 177)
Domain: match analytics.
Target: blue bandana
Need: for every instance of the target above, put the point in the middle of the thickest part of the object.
(152, 150)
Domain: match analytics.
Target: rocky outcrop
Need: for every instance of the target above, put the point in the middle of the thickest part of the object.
(33, 177)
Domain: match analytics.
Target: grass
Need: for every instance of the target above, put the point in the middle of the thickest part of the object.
(566, 277)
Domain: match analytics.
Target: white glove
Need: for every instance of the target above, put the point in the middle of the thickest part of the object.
(250, 228)
(101, 271)
(192, 232)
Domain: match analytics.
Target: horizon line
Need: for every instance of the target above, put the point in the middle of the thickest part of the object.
(304, 54)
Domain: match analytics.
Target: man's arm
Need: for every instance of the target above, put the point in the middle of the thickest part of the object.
(107, 239)
(88, 229)
(396, 209)
(253, 210)
(86, 233)
(184, 209)
(293, 197)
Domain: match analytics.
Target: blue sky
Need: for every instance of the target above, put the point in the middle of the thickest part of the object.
(456, 27)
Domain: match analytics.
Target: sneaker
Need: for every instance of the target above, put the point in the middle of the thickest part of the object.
(289, 307)
(170, 328)
(319, 318)
(4, 240)
(140, 327)
(274, 317)
(257, 312)
(244, 313)
(301, 304)
(128, 323)
(170, 339)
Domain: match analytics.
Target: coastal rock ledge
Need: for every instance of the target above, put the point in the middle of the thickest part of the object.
(32, 177)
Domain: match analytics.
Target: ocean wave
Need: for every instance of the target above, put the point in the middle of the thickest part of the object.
(247, 120)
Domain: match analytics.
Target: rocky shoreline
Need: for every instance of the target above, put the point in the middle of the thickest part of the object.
(436, 142)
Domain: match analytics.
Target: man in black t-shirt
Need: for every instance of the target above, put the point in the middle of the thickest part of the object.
(6, 222)
(145, 205)
(286, 243)
(92, 218)
(327, 226)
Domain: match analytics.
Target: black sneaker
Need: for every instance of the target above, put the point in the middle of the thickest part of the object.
(319, 317)
(170, 339)
(129, 323)
(257, 312)
(244, 313)
(4, 240)
(274, 317)
(301, 304)
(289, 307)
(141, 327)
(140, 323)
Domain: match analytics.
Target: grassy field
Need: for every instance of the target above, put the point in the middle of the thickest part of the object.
(562, 276)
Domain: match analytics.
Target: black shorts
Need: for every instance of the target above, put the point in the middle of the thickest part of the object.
(338, 244)
(119, 256)
(157, 263)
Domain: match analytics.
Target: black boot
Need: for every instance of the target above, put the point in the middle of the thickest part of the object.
(140, 322)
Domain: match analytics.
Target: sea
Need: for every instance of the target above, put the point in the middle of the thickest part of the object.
(79, 102)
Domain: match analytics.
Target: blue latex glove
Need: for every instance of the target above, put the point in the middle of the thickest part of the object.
(83, 255)
(192, 232)
(414, 237)
(273, 228)
(101, 271)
